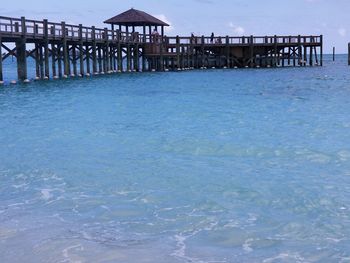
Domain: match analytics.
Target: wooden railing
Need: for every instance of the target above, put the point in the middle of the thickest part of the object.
(40, 29)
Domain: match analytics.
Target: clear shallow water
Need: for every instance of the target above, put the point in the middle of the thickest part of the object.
(200, 166)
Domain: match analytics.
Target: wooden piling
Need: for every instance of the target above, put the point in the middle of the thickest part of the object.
(228, 52)
(106, 60)
(349, 54)
(41, 59)
(1, 67)
(65, 50)
(202, 51)
(178, 52)
(87, 59)
(53, 60)
(99, 59)
(37, 61)
(333, 54)
(46, 49)
(74, 60)
(81, 51)
(59, 60)
(251, 48)
(299, 51)
(311, 57)
(321, 51)
(120, 57)
(21, 53)
(94, 50)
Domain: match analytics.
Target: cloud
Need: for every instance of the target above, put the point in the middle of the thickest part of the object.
(238, 30)
(166, 20)
(342, 32)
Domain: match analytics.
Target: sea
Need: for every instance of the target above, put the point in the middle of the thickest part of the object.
(201, 166)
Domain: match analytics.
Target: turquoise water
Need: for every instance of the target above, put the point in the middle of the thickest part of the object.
(212, 166)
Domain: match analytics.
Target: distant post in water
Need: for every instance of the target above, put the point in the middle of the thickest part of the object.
(349, 54)
(333, 53)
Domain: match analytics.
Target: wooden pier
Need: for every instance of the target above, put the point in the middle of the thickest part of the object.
(62, 50)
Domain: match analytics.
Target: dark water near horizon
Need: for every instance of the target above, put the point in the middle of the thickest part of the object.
(211, 166)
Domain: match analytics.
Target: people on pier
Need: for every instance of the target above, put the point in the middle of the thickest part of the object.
(193, 39)
(218, 40)
(155, 35)
(212, 38)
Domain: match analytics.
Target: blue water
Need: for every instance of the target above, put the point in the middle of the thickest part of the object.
(212, 166)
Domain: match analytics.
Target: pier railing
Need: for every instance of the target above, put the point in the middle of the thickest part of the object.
(40, 29)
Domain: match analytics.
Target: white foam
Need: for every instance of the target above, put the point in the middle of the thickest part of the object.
(67, 250)
(17, 186)
(46, 194)
(283, 257)
(247, 245)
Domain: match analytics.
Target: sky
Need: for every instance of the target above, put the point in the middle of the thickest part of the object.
(224, 17)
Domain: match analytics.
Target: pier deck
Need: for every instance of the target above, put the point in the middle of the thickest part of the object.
(61, 50)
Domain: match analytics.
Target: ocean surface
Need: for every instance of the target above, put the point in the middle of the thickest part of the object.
(214, 166)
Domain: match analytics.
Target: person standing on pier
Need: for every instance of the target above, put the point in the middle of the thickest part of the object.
(212, 38)
(155, 35)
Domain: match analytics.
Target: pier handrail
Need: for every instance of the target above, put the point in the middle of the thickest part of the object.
(35, 28)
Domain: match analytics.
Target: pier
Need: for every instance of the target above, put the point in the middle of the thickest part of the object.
(133, 44)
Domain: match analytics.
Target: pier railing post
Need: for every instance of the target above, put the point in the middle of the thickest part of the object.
(21, 53)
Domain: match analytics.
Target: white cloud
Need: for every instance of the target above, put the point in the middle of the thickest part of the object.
(238, 30)
(342, 32)
(165, 19)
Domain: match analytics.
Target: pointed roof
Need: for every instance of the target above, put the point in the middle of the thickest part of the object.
(135, 17)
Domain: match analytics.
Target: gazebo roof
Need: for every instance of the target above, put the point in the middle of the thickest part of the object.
(135, 17)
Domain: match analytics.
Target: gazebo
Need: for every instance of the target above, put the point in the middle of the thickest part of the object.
(134, 18)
